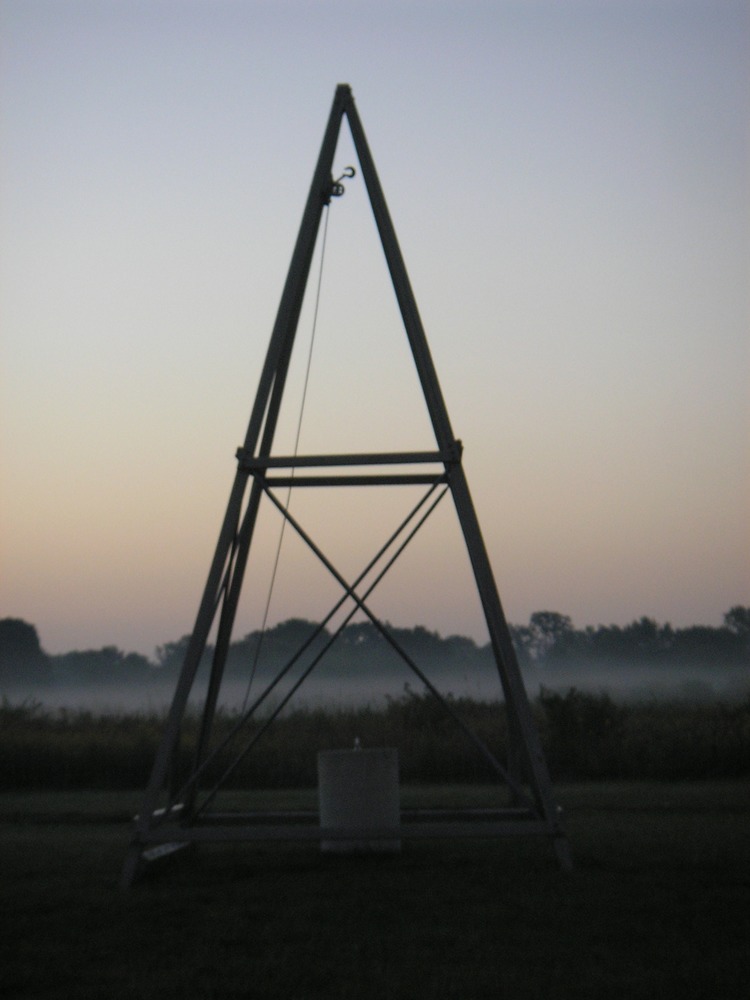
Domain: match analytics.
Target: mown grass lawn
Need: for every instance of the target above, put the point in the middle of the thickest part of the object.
(657, 906)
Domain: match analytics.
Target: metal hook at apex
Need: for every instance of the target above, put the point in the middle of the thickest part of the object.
(337, 188)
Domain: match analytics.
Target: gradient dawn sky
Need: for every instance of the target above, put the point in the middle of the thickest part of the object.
(570, 184)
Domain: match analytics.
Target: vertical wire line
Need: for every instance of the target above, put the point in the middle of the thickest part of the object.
(294, 452)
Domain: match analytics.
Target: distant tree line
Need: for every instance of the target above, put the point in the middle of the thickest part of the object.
(551, 639)
(548, 641)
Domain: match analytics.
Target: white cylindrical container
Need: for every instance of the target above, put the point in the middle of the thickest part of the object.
(358, 796)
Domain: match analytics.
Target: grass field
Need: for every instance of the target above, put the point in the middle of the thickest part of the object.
(657, 906)
(584, 736)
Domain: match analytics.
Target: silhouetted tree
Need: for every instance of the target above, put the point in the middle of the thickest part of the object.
(22, 660)
(108, 665)
(523, 643)
(169, 657)
(551, 634)
(737, 620)
(702, 644)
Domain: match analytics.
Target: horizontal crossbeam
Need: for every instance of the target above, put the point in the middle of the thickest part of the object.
(253, 463)
(492, 823)
(392, 479)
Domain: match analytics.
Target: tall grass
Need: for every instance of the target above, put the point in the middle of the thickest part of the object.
(585, 736)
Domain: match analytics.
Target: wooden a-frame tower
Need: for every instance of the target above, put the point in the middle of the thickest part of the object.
(172, 815)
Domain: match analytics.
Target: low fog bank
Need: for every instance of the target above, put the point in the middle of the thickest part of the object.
(638, 683)
(356, 666)
(624, 684)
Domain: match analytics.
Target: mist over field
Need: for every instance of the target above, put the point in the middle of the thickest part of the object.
(622, 685)
(644, 700)
(642, 661)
